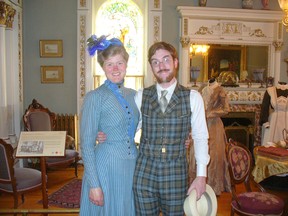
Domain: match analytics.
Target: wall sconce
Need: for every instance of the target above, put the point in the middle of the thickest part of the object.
(284, 6)
(196, 48)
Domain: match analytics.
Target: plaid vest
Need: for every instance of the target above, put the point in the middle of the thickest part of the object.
(164, 134)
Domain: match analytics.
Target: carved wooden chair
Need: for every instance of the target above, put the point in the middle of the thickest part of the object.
(39, 118)
(16, 181)
(250, 202)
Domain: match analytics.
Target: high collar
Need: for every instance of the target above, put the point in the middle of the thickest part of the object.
(213, 85)
(282, 86)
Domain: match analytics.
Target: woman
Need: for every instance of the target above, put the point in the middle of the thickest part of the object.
(109, 166)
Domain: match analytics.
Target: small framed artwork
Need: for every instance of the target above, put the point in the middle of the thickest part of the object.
(51, 48)
(52, 74)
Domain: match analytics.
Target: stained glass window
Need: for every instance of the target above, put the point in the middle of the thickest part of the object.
(124, 20)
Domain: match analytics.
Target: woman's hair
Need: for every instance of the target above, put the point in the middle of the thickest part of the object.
(164, 46)
(112, 50)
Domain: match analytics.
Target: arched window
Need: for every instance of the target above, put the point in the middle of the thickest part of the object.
(122, 19)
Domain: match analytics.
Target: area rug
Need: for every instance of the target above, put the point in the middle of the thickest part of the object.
(68, 196)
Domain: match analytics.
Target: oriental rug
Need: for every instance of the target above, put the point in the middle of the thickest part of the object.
(68, 196)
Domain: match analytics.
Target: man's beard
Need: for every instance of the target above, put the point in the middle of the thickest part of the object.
(164, 80)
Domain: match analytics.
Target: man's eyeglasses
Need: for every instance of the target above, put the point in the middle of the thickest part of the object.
(166, 61)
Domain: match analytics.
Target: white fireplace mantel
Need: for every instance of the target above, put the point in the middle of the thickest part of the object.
(207, 25)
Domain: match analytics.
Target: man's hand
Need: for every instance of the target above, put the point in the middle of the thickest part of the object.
(96, 196)
(199, 184)
(101, 137)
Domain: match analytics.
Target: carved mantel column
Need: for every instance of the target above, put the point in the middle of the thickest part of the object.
(185, 41)
(184, 76)
(278, 45)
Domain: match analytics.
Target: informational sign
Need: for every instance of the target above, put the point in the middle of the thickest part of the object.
(41, 144)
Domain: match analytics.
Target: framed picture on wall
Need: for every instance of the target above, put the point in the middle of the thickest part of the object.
(51, 48)
(52, 74)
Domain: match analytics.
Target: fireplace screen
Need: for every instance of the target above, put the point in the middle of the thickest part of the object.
(240, 127)
(238, 133)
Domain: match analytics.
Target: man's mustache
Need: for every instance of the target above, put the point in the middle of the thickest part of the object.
(163, 70)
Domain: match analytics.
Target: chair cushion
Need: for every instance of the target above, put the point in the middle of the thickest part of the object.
(39, 121)
(259, 203)
(69, 156)
(26, 179)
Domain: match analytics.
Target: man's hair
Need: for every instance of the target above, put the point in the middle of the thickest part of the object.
(162, 45)
(112, 50)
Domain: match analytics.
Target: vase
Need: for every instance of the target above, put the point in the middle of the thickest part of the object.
(247, 4)
(265, 4)
(195, 72)
(202, 3)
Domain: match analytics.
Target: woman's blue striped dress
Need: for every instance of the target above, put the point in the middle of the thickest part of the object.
(109, 165)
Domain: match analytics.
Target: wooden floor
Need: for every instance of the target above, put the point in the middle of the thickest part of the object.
(57, 178)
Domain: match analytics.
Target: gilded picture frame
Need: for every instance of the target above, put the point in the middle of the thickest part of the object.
(52, 74)
(51, 48)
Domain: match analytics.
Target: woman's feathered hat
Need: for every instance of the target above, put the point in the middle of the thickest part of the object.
(99, 44)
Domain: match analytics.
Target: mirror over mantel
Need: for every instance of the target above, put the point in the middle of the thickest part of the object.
(246, 43)
(230, 64)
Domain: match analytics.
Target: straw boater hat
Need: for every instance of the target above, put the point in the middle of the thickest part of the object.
(205, 206)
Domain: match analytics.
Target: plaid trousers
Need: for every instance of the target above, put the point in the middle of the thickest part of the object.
(160, 185)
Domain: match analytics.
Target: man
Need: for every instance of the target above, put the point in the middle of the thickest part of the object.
(161, 174)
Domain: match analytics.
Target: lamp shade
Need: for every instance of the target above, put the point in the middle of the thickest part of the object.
(283, 4)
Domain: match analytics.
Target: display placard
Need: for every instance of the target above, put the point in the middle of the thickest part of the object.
(41, 144)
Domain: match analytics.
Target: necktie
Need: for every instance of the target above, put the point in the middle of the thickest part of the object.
(163, 101)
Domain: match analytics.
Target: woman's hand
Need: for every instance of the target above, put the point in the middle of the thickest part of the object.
(96, 196)
(188, 141)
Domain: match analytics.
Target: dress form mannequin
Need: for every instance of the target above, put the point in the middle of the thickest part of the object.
(274, 113)
(216, 105)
